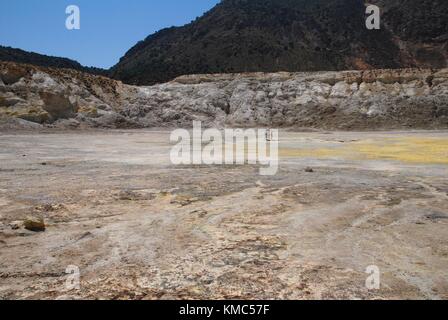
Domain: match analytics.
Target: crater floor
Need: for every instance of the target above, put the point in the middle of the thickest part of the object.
(138, 227)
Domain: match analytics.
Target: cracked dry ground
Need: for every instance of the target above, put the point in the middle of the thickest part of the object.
(141, 228)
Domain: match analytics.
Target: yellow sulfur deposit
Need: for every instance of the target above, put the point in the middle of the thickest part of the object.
(406, 149)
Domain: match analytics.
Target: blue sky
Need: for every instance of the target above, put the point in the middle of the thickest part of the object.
(108, 27)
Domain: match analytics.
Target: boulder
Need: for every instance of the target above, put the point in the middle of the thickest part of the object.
(34, 115)
(13, 73)
(58, 105)
(35, 224)
(66, 124)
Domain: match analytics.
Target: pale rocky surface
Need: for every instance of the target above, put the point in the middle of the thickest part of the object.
(139, 227)
(34, 98)
(377, 99)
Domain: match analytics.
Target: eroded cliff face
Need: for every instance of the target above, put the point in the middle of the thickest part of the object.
(350, 100)
(332, 100)
(33, 96)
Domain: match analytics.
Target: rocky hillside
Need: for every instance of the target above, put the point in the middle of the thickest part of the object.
(377, 99)
(9, 54)
(33, 96)
(292, 35)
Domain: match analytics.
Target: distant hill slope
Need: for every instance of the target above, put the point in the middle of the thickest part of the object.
(292, 35)
(20, 56)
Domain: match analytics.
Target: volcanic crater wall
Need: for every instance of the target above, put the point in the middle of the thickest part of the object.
(349, 100)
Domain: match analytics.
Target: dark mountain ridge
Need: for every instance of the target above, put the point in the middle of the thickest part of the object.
(292, 35)
(239, 36)
(9, 54)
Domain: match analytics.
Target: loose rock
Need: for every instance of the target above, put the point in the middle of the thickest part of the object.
(15, 225)
(34, 224)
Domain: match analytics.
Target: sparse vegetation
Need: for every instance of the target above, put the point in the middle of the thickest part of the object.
(21, 56)
(291, 35)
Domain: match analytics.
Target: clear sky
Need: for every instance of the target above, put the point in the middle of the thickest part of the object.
(108, 27)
